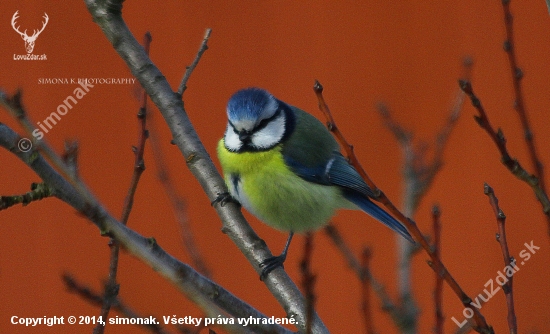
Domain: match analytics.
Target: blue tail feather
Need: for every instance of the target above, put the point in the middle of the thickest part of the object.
(377, 213)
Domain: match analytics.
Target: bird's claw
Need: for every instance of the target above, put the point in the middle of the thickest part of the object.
(271, 263)
(223, 199)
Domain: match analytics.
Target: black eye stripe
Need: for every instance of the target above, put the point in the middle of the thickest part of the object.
(264, 122)
(233, 127)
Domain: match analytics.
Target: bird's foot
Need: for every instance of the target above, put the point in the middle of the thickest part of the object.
(271, 263)
(224, 198)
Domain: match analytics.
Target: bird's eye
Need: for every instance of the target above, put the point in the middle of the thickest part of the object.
(263, 123)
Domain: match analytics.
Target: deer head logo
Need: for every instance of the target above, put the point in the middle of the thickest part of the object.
(29, 40)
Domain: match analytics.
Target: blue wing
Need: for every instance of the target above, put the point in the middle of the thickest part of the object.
(340, 173)
(377, 213)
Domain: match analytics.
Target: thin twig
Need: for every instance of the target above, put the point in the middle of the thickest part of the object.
(362, 272)
(14, 105)
(199, 163)
(365, 288)
(203, 292)
(417, 168)
(197, 288)
(508, 260)
(409, 311)
(178, 204)
(111, 286)
(177, 201)
(435, 263)
(513, 165)
(38, 192)
(419, 173)
(519, 105)
(308, 281)
(189, 69)
(438, 289)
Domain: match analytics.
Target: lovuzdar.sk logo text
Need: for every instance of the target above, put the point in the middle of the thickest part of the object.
(29, 40)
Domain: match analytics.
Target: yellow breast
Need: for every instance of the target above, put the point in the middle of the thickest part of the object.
(267, 188)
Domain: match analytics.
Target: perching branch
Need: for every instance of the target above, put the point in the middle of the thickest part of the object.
(436, 264)
(513, 165)
(200, 290)
(508, 260)
(107, 14)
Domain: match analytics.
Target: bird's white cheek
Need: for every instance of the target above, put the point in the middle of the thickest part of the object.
(271, 135)
(231, 139)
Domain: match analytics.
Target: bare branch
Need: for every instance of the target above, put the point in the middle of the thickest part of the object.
(37, 193)
(96, 299)
(419, 173)
(190, 68)
(308, 280)
(111, 286)
(519, 105)
(178, 204)
(508, 260)
(363, 273)
(513, 165)
(365, 287)
(438, 289)
(435, 263)
(198, 160)
(199, 289)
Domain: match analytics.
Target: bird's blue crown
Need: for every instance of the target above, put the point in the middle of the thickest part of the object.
(250, 104)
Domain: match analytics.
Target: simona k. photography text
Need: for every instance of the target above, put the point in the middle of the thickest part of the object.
(85, 85)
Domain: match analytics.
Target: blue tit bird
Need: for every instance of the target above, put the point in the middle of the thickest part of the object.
(285, 167)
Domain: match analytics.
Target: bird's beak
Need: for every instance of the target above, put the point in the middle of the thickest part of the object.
(244, 135)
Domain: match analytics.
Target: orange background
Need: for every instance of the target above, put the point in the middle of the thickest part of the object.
(407, 54)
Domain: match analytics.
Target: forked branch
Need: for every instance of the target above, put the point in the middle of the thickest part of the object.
(508, 260)
(436, 264)
(497, 137)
